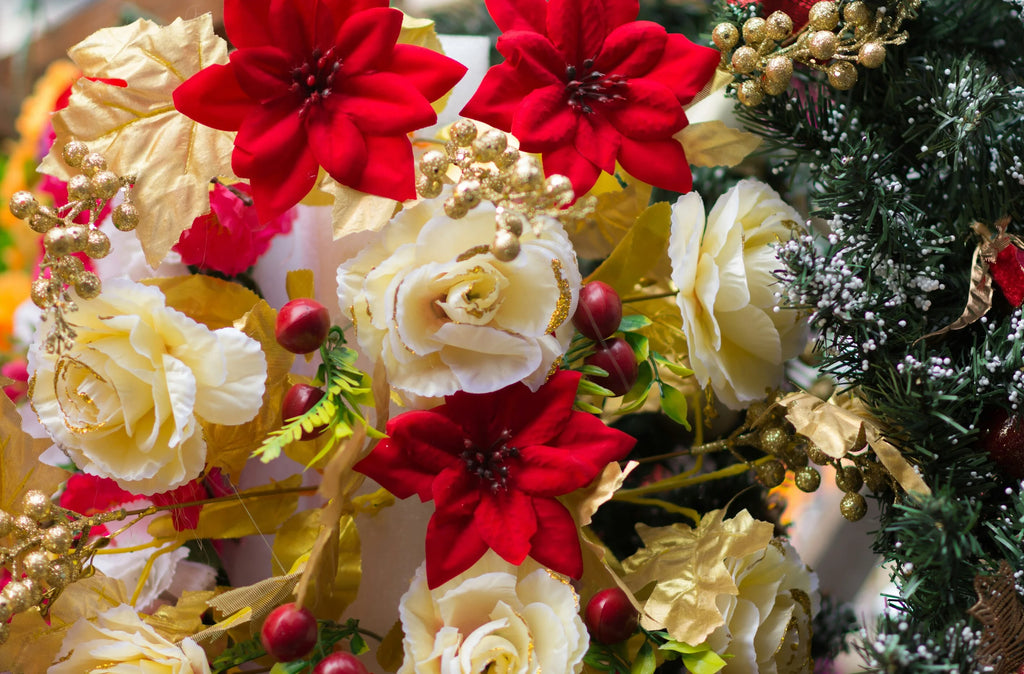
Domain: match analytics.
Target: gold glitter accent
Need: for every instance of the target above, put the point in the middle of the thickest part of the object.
(1001, 613)
(73, 400)
(561, 312)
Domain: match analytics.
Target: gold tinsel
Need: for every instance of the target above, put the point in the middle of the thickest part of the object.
(1000, 611)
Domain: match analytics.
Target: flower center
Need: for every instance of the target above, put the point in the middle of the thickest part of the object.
(586, 88)
(490, 464)
(314, 79)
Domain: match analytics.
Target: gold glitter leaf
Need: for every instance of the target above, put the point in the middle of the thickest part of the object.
(615, 212)
(242, 610)
(689, 568)
(1001, 613)
(184, 618)
(583, 503)
(715, 144)
(211, 301)
(356, 211)
(20, 468)
(137, 127)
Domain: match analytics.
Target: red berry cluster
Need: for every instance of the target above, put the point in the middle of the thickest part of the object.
(597, 317)
(290, 633)
(302, 326)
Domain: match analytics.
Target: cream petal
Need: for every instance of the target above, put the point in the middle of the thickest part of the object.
(509, 358)
(236, 396)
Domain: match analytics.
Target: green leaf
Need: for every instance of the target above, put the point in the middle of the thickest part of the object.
(673, 404)
(697, 659)
(639, 344)
(594, 371)
(637, 395)
(645, 661)
(358, 644)
(634, 322)
(674, 368)
(589, 387)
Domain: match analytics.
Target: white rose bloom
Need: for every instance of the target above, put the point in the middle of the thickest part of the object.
(737, 337)
(767, 625)
(495, 618)
(119, 642)
(123, 402)
(446, 317)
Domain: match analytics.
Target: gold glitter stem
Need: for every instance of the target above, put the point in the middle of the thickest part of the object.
(681, 481)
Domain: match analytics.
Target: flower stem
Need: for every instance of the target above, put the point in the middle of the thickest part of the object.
(644, 298)
(220, 499)
(680, 481)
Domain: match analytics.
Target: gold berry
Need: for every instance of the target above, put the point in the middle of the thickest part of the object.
(751, 93)
(771, 473)
(40, 293)
(125, 217)
(60, 573)
(74, 152)
(744, 60)
(36, 505)
(433, 163)
(527, 174)
(468, 191)
(79, 188)
(871, 54)
(773, 439)
(88, 285)
(842, 75)
(6, 523)
(463, 132)
(105, 184)
(36, 564)
(822, 44)
(57, 539)
(18, 595)
(491, 144)
(778, 72)
(455, 208)
(58, 242)
(807, 479)
(93, 163)
(23, 205)
(725, 36)
(848, 478)
(823, 15)
(512, 221)
(559, 188)
(755, 30)
(505, 246)
(815, 454)
(853, 506)
(98, 244)
(779, 26)
(428, 187)
(79, 237)
(857, 13)
(507, 158)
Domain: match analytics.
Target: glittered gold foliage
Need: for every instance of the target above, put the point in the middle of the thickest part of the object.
(20, 468)
(137, 127)
(715, 144)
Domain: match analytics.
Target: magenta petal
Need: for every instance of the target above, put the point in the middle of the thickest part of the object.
(213, 98)
(453, 545)
(556, 545)
(264, 73)
(598, 141)
(431, 73)
(384, 104)
(497, 99)
(632, 49)
(534, 57)
(389, 171)
(568, 162)
(685, 68)
(246, 22)
(577, 28)
(651, 112)
(661, 163)
(365, 41)
(545, 120)
(506, 522)
(518, 14)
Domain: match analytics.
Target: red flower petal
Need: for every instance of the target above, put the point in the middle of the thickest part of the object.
(685, 67)
(568, 162)
(534, 57)
(290, 27)
(384, 104)
(661, 163)
(497, 99)
(651, 112)
(618, 12)
(598, 141)
(518, 14)
(632, 49)
(337, 143)
(431, 73)
(556, 545)
(187, 518)
(506, 523)
(264, 73)
(577, 28)
(214, 98)
(245, 22)
(1008, 273)
(341, 10)
(456, 491)
(365, 41)
(453, 545)
(389, 170)
(541, 415)
(545, 120)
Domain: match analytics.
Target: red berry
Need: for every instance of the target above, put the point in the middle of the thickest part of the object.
(340, 663)
(611, 617)
(289, 633)
(299, 400)
(618, 360)
(599, 311)
(302, 325)
(1002, 436)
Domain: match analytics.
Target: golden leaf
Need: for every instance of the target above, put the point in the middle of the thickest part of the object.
(300, 283)
(138, 129)
(356, 211)
(293, 547)
(33, 644)
(583, 503)
(390, 652)
(614, 213)
(246, 607)
(20, 468)
(174, 623)
(720, 79)
(244, 516)
(688, 566)
(843, 424)
(214, 302)
(715, 144)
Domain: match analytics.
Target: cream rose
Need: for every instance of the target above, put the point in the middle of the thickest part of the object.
(738, 338)
(768, 624)
(445, 317)
(119, 642)
(123, 403)
(495, 618)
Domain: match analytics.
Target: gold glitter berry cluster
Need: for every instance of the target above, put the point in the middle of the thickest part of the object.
(838, 37)
(484, 167)
(88, 192)
(49, 549)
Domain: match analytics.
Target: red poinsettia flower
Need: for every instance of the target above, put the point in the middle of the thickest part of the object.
(494, 465)
(319, 83)
(1008, 272)
(586, 85)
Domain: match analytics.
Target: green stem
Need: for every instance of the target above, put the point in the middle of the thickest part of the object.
(679, 481)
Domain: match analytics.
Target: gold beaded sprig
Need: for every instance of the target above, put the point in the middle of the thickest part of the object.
(484, 167)
(88, 192)
(838, 36)
(49, 549)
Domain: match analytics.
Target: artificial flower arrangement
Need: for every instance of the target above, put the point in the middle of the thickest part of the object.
(481, 308)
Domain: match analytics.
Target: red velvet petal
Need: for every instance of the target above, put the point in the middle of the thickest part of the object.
(1008, 273)
(536, 60)
(685, 68)
(537, 417)
(264, 73)
(567, 161)
(291, 26)
(456, 491)
(453, 545)
(518, 14)
(618, 12)
(661, 163)
(389, 171)
(506, 522)
(545, 120)
(365, 41)
(246, 22)
(482, 417)
(384, 104)
(337, 143)
(577, 28)
(632, 49)
(341, 10)
(272, 150)
(651, 112)
(598, 141)
(556, 544)
(498, 97)
(213, 98)
(431, 73)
